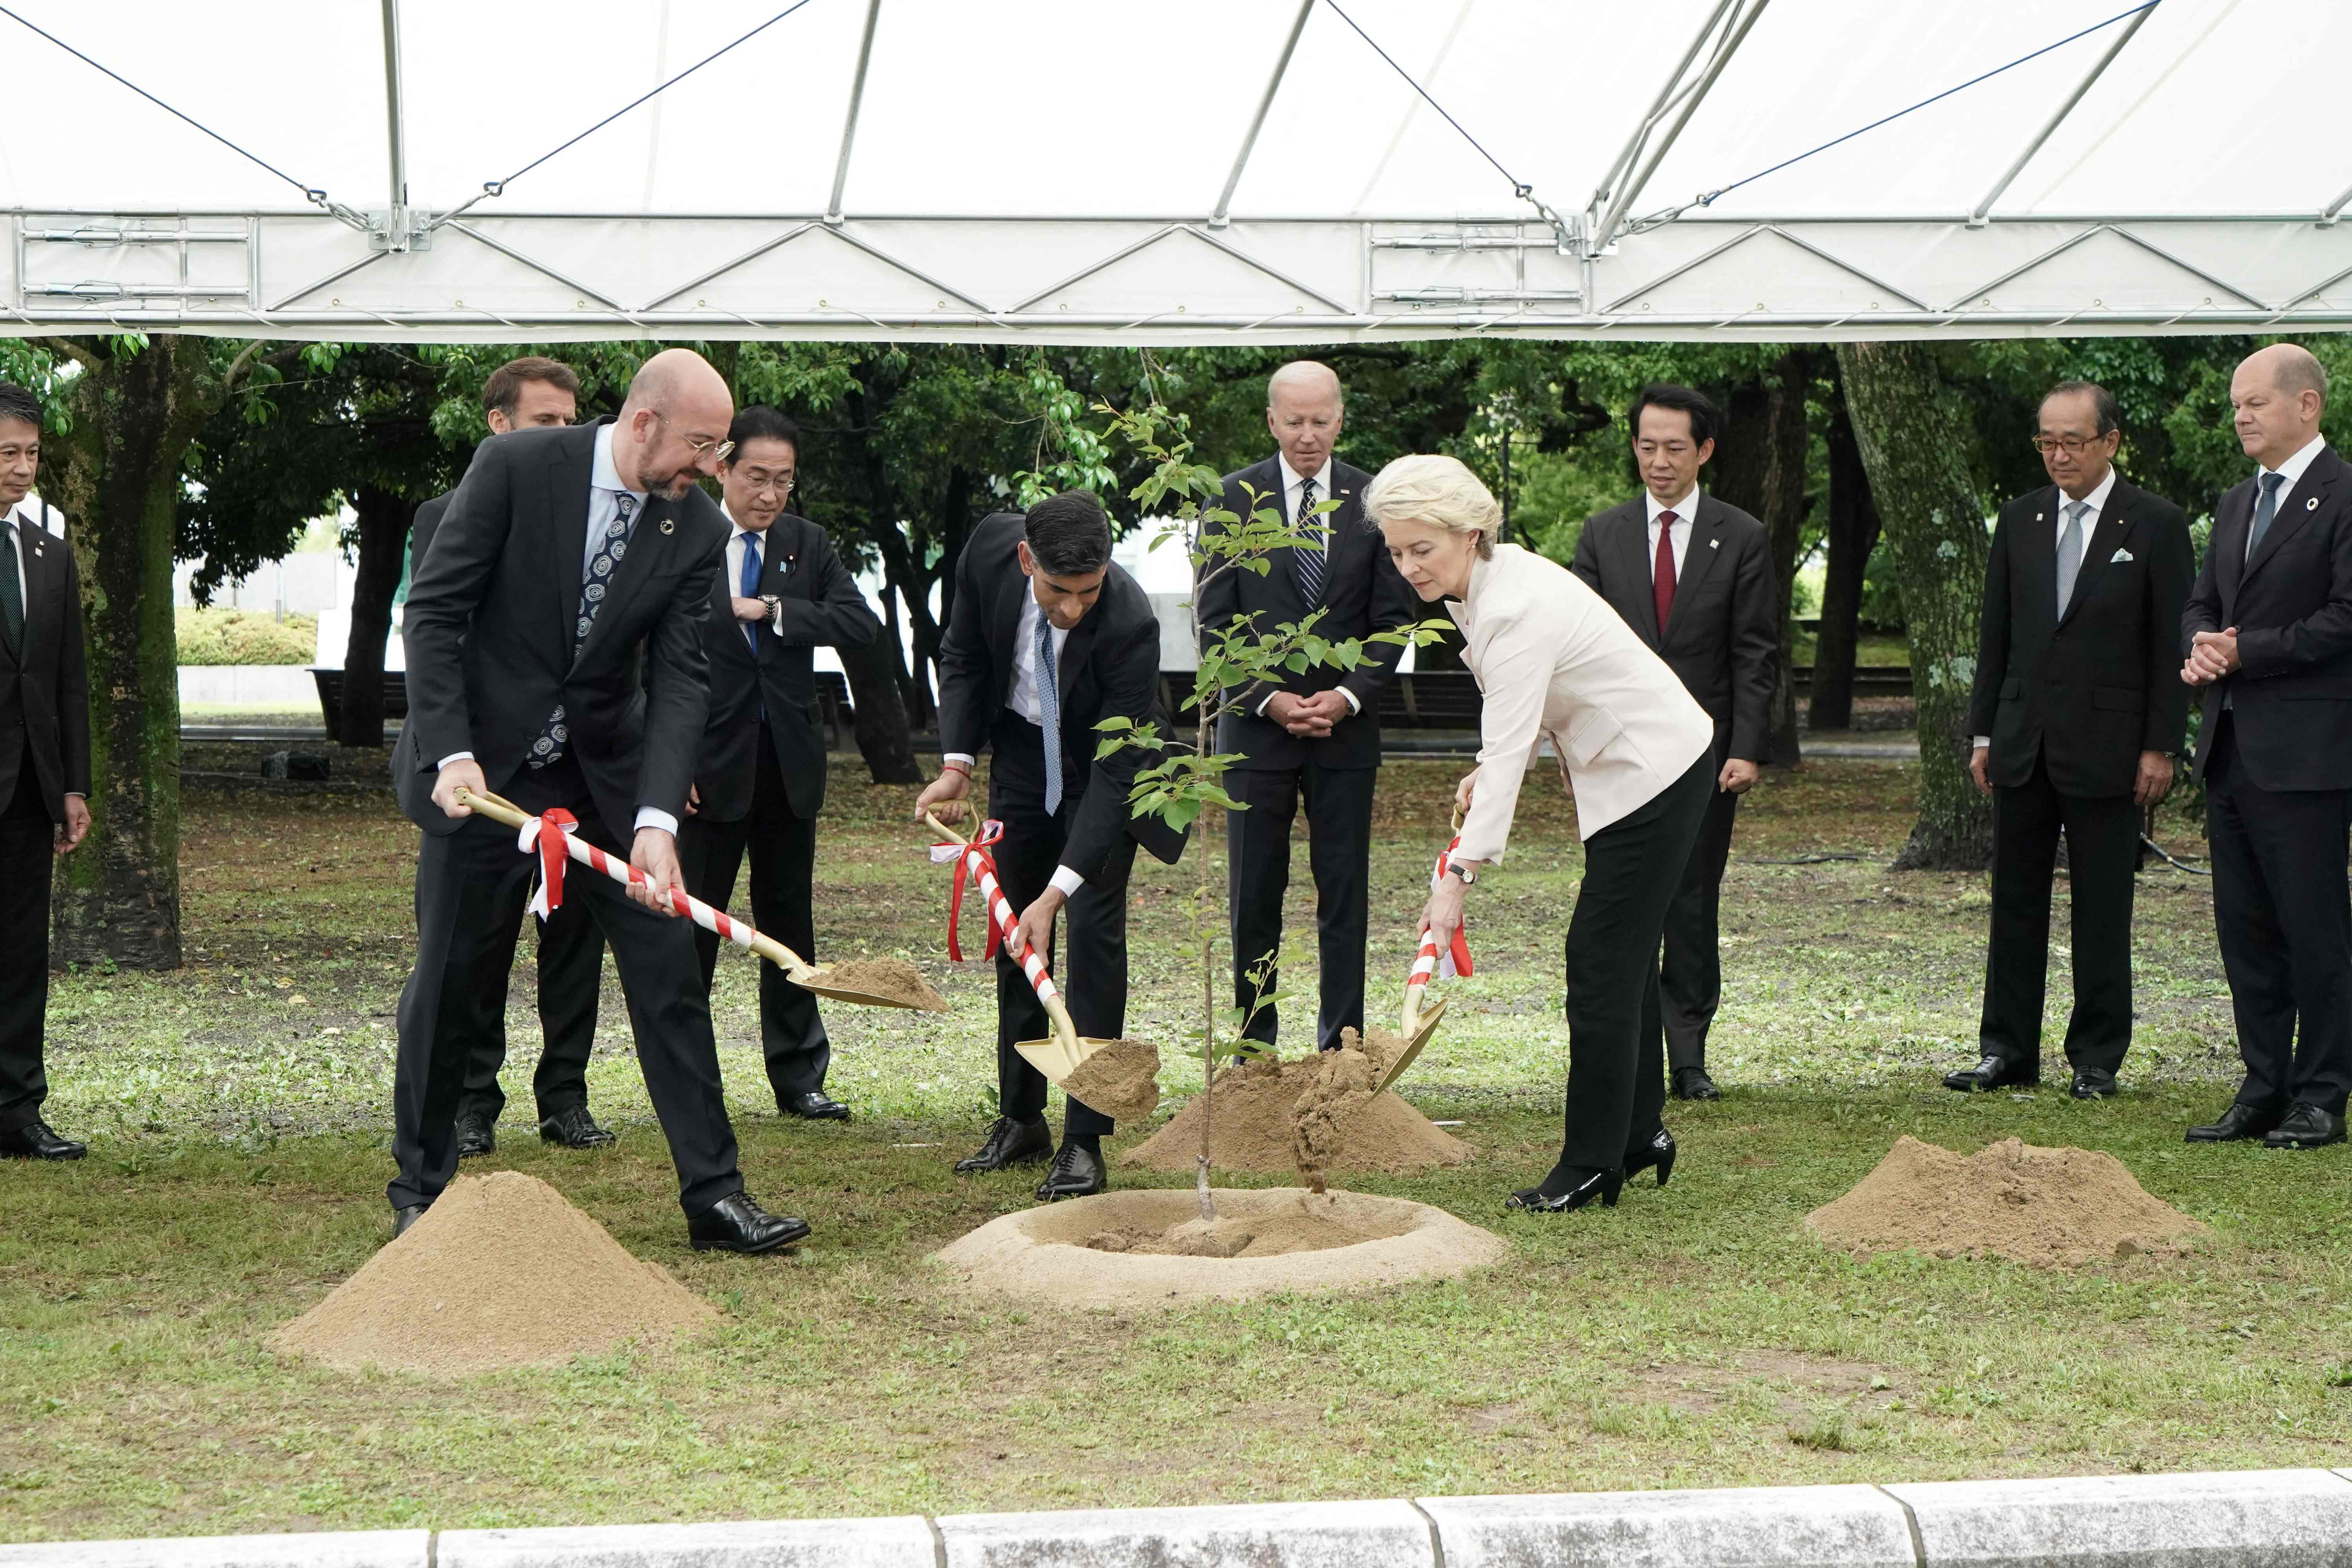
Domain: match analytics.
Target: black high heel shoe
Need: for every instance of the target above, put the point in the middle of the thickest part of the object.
(1602, 1184)
(1659, 1151)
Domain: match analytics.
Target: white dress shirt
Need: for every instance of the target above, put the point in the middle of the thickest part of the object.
(2093, 505)
(604, 491)
(1682, 526)
(1293, 486)
(1023, 701)
(26, 514)
(2293, 468)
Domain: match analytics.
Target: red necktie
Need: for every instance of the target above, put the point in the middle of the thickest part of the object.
(1661, 578)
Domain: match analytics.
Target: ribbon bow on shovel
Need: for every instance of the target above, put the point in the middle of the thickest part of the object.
(1417, 1026)
(972, 864)
(1056, 1058)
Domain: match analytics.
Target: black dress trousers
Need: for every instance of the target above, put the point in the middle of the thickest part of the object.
(2102, 853)
(471, 886)
(1616, 1038)
(1093, 924)
(1257, 875)
(27, 852)
(782, 847)
(1690, 974)
(2283, 911)
(570, 977)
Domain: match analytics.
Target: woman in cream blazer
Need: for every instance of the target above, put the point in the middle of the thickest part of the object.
(1555, 662)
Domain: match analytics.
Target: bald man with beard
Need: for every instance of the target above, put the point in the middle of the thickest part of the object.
(555, 657)
(2269, 634)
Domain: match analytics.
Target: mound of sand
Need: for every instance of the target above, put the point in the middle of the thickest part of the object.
(1122, 1079)
(1339, 1086)
(894, 978)
(500, 1272)
(1252, 1126)
(2050, 1207)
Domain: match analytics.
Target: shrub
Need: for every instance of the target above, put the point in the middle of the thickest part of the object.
(245, 636)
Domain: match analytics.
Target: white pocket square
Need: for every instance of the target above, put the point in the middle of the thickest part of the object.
(2120, 555)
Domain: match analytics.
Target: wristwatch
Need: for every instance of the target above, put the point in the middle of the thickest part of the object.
(1469, 877)
(775, 603)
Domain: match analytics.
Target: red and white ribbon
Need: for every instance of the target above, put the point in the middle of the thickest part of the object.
(1429, 963)
(973, 861)
(536, 835)
(737, 931)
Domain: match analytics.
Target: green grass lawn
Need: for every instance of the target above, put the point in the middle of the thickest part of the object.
(1693, 1337)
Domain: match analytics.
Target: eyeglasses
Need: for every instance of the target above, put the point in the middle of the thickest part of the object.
(2073, 445)
(716, 451)
(780, 483)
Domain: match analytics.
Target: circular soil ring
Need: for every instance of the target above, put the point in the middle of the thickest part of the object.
(1334, 1241)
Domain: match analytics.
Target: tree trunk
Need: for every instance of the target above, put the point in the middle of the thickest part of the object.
(116, 475)
(383, 523)
(885, 739)
(1761, 468)
(1914, 434)
(1851, 535)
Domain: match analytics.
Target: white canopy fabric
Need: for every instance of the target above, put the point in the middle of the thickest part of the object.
(1177, 171)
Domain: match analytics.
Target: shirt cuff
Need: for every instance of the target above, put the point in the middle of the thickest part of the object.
(650, 816)
(1065, 882)
(966, 758)
(455, 757)
(1354, 705)
(77, 794)
(1260, 709)
(1981, 740)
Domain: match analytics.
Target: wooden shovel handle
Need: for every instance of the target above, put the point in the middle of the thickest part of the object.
(943, 830)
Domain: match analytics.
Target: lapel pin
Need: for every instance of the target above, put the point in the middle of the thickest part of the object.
(668, 527)
(2037, 516)
(1715, 545)
(2311, 505)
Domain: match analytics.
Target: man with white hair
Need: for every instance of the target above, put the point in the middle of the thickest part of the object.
(2269, 630)
(554, 634)
(1315, 736)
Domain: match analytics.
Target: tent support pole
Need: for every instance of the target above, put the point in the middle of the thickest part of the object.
(1657, 109)
(1739, 28)
(849, 124)
(395, 129)
(1257, 122)
(2327, 220)
(2049, 127)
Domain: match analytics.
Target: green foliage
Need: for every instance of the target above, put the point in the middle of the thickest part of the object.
(211, 637)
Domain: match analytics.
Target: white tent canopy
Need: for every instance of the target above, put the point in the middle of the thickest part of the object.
(1177, 171)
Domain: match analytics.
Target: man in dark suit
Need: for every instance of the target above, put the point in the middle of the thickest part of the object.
(1307, 737)
(1047, 639)
(44, 768)
(780, 593)
(2269, 629)
(569, 561)
(532, 394)
(1693, 577)
(2076, 715)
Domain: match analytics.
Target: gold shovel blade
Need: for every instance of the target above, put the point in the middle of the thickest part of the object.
(819, 982)
(1055, 1057)
(1425, 1027)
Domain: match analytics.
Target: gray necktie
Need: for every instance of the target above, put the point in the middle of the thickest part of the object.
(12, 594)
(1049, 712)
(2070, 553)
(1309, 557)
(2265, 510)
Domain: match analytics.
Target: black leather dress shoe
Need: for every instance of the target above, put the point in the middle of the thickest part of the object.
(574, 1129)
(1077, 1173)
(402, 1219)
(2093, 1083)
(2236, 1124)
(474, 1136)
(36, 1140)
(1692, 1083)
(815, 1105)
(1009, 1143)
(2305, 1126)
(1602, 1184)
(1658, 1152)
(1992, 1072)
(737, 1224)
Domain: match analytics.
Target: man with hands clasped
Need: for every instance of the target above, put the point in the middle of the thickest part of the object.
(2076, 715)
(2269, 634)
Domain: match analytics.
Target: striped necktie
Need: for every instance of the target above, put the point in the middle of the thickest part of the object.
(1309, 554)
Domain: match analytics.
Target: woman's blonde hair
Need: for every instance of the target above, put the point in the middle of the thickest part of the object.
(1438, 490)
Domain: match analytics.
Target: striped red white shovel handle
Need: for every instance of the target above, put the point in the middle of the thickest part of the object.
(1001, 914)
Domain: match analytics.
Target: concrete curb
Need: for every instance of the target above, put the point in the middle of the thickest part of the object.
(2249, 1519)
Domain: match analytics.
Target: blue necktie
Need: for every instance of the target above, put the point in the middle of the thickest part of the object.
(2265, 510)
(555, 736)
(750, 588)
(1049, 712)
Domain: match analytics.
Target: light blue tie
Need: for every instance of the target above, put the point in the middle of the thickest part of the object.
(1049, 712)
(2070, 553)
(750, 588)
(2265, 510)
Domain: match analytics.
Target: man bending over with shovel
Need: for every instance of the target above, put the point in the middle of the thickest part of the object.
(1047, 639)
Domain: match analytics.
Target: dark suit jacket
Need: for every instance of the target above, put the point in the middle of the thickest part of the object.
(488, 629)
(2292, 605)
(2090, 692)
(1110, 667)
(1723, 636)
(1362, 593)
(822, 603)
(44, 690)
